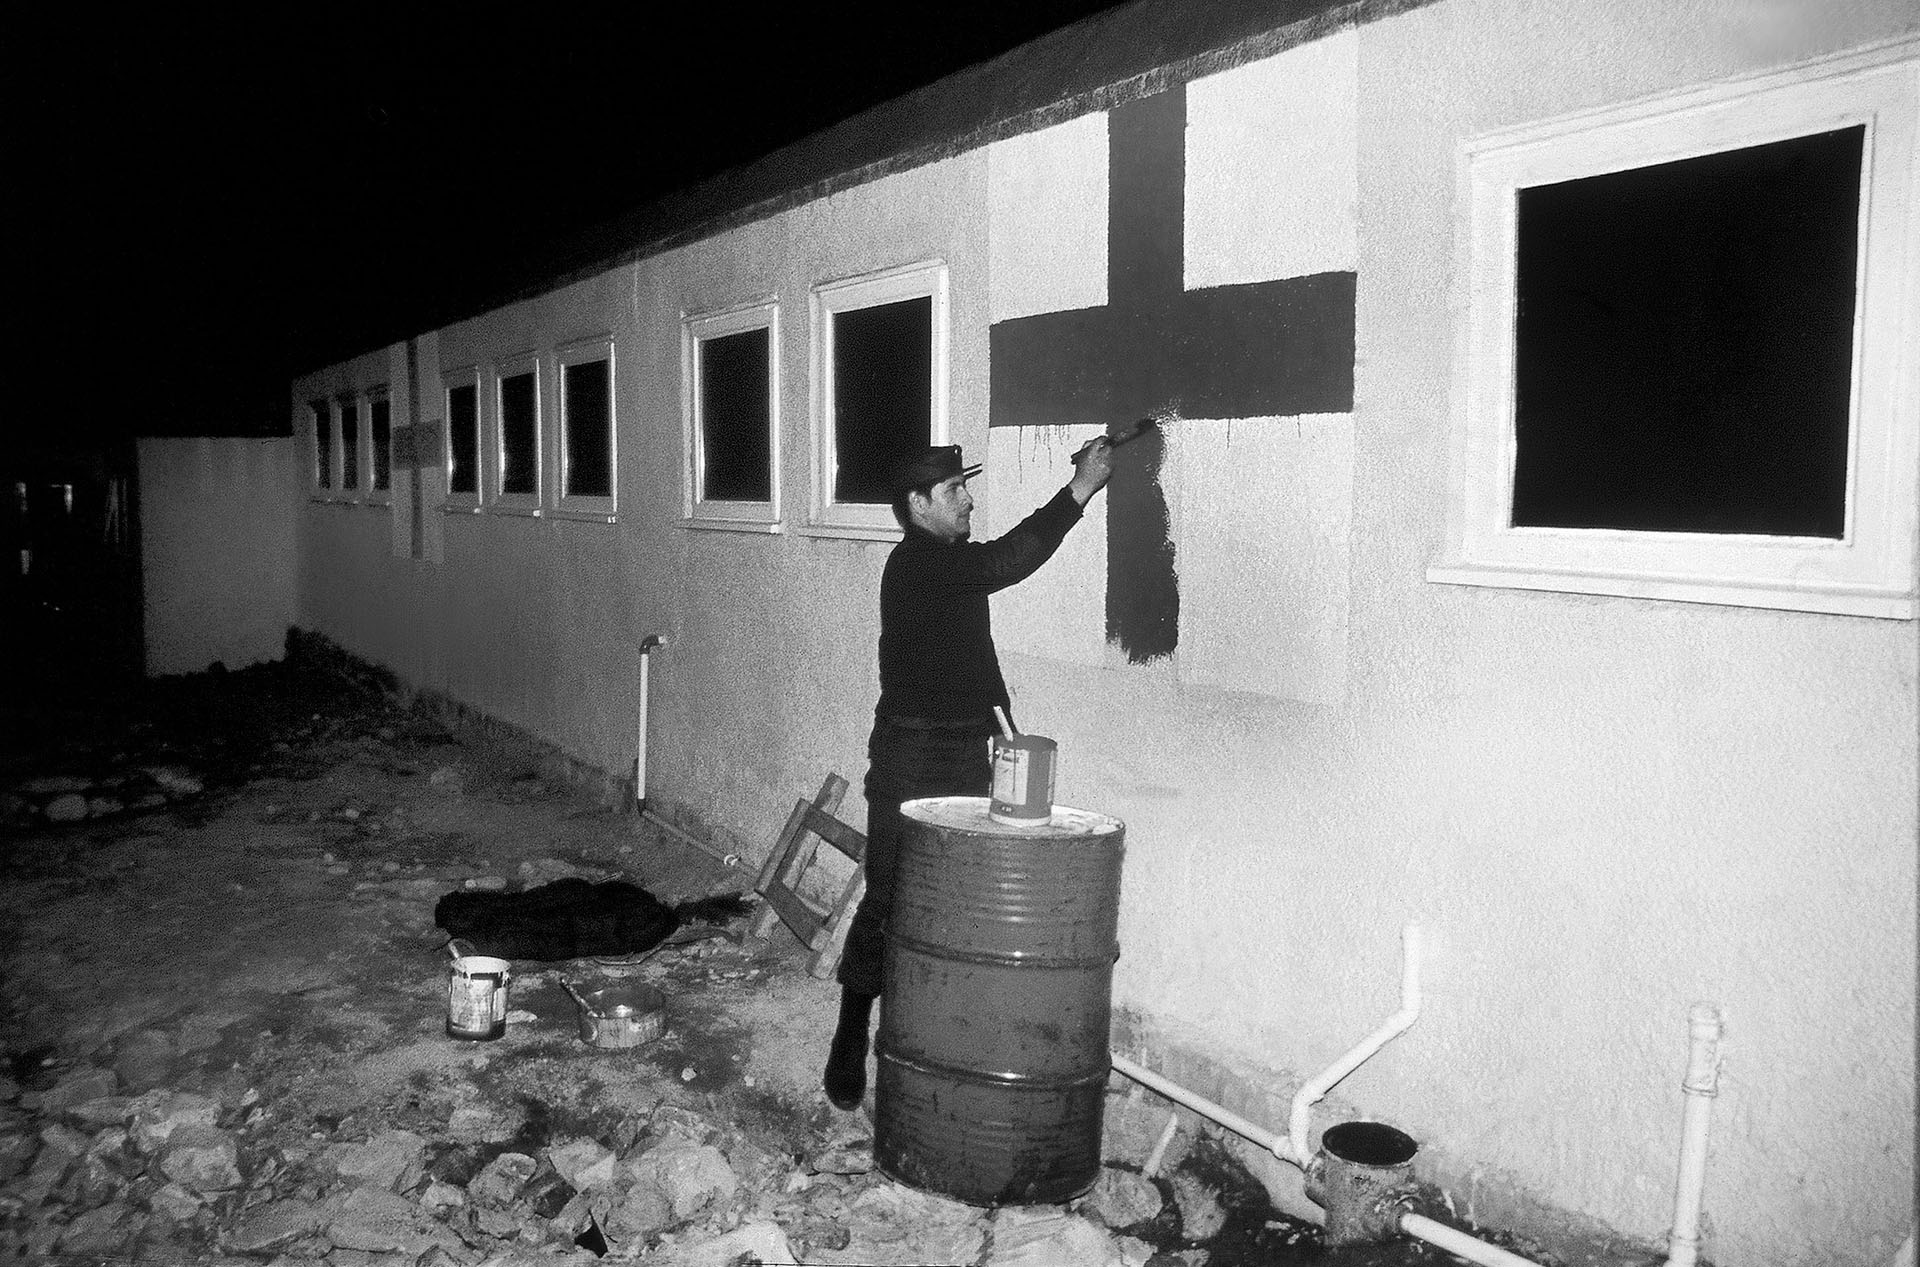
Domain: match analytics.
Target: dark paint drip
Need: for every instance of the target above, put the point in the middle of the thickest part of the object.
(1143, 590)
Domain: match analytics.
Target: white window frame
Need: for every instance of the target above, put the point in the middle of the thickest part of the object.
(356, 491)
(376, 496)
(571, 506)
(465, 376)
(716, 513)
(1870, 570)
(828, 517)
(317, 423)
(493, 486)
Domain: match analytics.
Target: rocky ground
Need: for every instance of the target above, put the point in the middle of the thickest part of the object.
(223, 1007)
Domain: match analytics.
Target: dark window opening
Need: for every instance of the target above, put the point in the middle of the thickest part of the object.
(322, 442)
(349, 444)
(589, 425)
(883, 394)
(1684, 343)
(463, 439)
(735, 377)
(519, 435)
(380, 423)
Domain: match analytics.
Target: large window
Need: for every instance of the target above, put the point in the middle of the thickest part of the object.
(516, 434)
(1688, 370)
(380, 445)
(462, 389)
(320, 415)
(880, 369)
(587, 428)
(349, 417)
(732, 416)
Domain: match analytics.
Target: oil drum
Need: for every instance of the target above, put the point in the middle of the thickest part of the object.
(992, 1050)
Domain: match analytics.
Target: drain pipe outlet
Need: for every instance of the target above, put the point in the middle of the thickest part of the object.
(1316, 1089)
(1701, 1084)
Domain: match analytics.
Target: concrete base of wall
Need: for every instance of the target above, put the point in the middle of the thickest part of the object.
(1451, 1190)
(613, 790)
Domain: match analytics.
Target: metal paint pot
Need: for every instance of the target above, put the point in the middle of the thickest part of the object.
(992, 1050)
(1363, 1177)
(476, 995)
(1023, 770)
(620, 1015)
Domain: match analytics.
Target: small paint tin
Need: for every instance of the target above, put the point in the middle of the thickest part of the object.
(477, 997)
(1023, 769)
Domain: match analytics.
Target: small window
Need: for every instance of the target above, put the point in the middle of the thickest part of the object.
(320, 412)
(349, 444)
(732, 419)
(880, 355)
(463, 438)
(587, 430)
(517, 434)
(380, 439)
(1682, 371)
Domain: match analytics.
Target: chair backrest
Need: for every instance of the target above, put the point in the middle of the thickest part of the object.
(834, 832)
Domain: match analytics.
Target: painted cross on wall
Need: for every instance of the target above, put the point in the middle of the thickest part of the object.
(1258, 349)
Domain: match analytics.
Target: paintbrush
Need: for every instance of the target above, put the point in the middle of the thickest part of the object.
(1123, 435)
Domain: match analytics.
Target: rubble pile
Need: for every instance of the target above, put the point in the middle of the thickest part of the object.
(90, 1173)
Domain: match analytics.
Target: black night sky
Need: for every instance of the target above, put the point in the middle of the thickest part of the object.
(205, 203)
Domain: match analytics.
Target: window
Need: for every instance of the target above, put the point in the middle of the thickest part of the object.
(349, 444)
(516, 434)
(1682, 376)
(880, 370)
(380, 441)
(462, 389)
(587, 428)
(732, 411)
(320, 413)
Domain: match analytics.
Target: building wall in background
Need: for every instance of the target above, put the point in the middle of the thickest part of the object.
(218, 544)
(1597, 809)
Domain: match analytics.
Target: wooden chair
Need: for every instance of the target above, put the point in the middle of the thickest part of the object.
(823, 929)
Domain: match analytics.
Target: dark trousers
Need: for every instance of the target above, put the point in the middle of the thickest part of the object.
(904, 762)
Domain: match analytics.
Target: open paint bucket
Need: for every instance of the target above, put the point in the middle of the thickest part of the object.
(1023, 767)
(477, 996)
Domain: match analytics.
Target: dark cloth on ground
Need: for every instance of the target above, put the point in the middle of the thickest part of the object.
(940, 681)
(574, 918)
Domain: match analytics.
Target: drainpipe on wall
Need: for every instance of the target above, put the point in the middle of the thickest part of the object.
(647, 644)
(1701, 1084)
(1316, 1089)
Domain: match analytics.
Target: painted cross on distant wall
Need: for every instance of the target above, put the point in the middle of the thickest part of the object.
(1260, 349)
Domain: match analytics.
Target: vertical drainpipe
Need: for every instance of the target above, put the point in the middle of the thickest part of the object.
(1701, 1084)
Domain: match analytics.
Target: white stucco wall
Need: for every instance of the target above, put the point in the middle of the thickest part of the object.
(217, 550)
(1599, 810)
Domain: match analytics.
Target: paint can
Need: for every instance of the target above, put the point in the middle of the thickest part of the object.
(1023, 769)
(477, 997)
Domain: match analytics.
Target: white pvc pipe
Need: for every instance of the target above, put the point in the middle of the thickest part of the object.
(1459, 1243)
(1700, 1085)
(1277, 1144)
(1395, 1025)
(647, 644)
